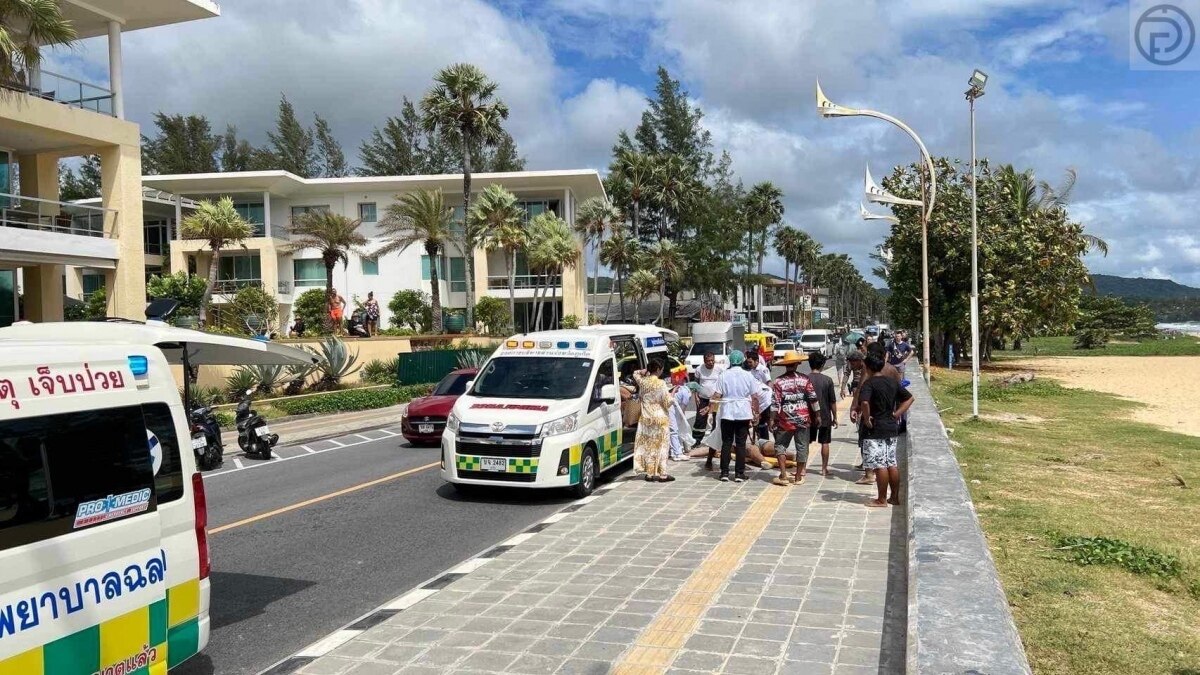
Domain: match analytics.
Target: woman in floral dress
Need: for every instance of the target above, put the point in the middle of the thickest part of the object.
(653, 434)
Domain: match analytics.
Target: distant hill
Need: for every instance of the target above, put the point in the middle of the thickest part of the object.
(1144, 289)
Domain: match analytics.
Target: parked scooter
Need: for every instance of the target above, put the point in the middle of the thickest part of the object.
(254, 437)
(206, 438)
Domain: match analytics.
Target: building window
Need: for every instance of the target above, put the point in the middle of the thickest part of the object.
(458, 275)
(155, 237)
(366, 212)
(310, 272)
(301, 210)
(535, 208)
(370, 266)
(237, 272)
(91, 283)
(441, 268)
(253, 213)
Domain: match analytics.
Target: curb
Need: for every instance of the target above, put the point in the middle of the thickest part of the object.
(382, 613)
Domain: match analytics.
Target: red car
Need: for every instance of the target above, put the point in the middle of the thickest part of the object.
(425, 418)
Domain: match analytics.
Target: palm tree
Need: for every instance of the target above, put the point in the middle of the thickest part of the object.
(671, 187)
(785, 247)
(668, 265)
(619, 252)
(552, 249)
(500, 224)
(595, 217)
(421, 216)
(334, 235)
(25, 27)
(461, 107)
(641, 284)
(764, 206)
(220, 225)
(637, 170)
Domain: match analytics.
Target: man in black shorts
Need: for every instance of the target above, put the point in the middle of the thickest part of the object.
(821, 429)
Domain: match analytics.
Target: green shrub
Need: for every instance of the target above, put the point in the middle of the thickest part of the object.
(351, 399)
(237, 382)
(1091, 338)
(310, 306)
(411, 309)
(186, 289)
(93, 308)
(1105, 551)
(493, 314)
(381, 372)
(250, 305)
(398, 332)
(570, 322)
(334, 362)
(205, 396)
(225, 418)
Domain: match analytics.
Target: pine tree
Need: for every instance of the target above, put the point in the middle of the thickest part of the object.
(184, 144)
(292, 144)
(330, 156)
(84, 185)
(235, 154)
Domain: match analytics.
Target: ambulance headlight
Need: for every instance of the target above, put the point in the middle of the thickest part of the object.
(452, 422)
(562, 425)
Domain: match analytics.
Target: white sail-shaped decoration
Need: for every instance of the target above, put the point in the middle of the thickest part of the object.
(827, 108)
(880, 196)
(867, 215)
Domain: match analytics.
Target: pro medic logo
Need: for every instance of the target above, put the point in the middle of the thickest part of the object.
(112, 507)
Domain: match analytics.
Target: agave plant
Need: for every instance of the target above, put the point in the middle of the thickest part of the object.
(269, 377)
(472, 358)
(297, 375)
(381, 372)
(205, 396)
(334, 361)
(241, 379)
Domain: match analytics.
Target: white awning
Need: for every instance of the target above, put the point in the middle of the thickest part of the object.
(203, 349)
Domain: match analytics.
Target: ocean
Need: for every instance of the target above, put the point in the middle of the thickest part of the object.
(1188, 327)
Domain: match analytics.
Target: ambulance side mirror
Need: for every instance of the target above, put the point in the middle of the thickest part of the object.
(608, 393)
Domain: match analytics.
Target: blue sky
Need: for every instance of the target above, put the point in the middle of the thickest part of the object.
(574, 72)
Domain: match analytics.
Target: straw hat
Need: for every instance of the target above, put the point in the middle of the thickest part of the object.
(791, 359)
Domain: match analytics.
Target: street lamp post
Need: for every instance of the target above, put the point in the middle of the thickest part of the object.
(827, 108)
(978, 81)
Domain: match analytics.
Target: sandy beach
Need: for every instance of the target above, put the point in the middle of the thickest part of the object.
(1169, 386)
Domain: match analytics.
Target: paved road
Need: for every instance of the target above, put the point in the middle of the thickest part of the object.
(287, 573)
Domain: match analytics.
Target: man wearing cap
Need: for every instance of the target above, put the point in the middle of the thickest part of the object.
(794, 407)
(735, 389)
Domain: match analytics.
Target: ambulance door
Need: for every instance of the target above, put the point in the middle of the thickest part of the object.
(630, 357)
(604, 415)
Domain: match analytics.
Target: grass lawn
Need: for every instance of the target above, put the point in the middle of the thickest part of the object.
(1064, 346)
(1046, 463)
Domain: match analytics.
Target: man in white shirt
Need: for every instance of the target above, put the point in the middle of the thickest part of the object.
(736, 388)
(706, 378)
(756, 364)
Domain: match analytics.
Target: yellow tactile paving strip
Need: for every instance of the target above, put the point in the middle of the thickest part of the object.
(656, 647)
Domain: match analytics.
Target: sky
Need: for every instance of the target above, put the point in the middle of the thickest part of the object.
(1061, 92)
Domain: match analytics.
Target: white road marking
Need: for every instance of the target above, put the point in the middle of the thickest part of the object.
(410, 598)
(238, 463)
(389, 432)
(307, 449)
(519, 539)
(470, 566)
(554, 518)
(329, 643)
(240, 467)
(274, 456)
(366, 438)
(336, 442)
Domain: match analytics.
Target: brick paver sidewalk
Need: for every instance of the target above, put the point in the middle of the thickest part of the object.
(695, 575)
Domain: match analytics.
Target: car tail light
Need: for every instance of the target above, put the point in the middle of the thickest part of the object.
(201, 504)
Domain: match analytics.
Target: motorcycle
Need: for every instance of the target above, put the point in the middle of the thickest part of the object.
(254, 436)
(206, 438)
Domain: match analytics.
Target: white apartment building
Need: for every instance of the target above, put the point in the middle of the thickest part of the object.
(45, 117)
(269, 199)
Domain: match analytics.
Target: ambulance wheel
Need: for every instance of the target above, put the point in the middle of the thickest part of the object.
(589, 471)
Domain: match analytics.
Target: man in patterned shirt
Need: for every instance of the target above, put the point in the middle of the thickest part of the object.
(794, 406)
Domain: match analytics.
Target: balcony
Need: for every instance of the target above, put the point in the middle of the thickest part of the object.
(232, 286)
(285, 287)
(522, 281)
(66, 90)
(31, 213)
(44, 231)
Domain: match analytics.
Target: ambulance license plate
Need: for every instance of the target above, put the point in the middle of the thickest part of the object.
(425, 428)
(493, 464)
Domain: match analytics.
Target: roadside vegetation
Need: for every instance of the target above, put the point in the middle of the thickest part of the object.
(1065, 346)
(1093, 521)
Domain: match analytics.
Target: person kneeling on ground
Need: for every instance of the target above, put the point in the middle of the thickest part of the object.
(883, 401)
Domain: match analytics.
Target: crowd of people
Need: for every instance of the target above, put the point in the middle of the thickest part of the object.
(744, 416)
(363, 321)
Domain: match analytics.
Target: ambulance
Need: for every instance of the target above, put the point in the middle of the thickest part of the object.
(545, 412)
(102, 513)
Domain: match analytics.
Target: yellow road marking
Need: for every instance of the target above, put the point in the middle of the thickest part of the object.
(658, 644)
(317, 500)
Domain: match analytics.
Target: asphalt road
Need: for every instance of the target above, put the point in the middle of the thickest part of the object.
(298, 551)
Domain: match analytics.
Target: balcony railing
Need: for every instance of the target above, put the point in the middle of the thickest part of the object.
(523, 281)
(66, 90)
(231, 286)
(31, 213)
(285, 287)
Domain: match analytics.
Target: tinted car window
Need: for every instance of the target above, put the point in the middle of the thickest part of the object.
(168, 482)
(452, 385)
(60, 473)
(533, 377)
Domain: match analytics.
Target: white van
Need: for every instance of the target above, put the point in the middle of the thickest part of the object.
(816, 340)
(102, 513)
(544, 410)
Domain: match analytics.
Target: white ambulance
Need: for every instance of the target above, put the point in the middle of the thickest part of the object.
(102, 513)
(545, 412)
